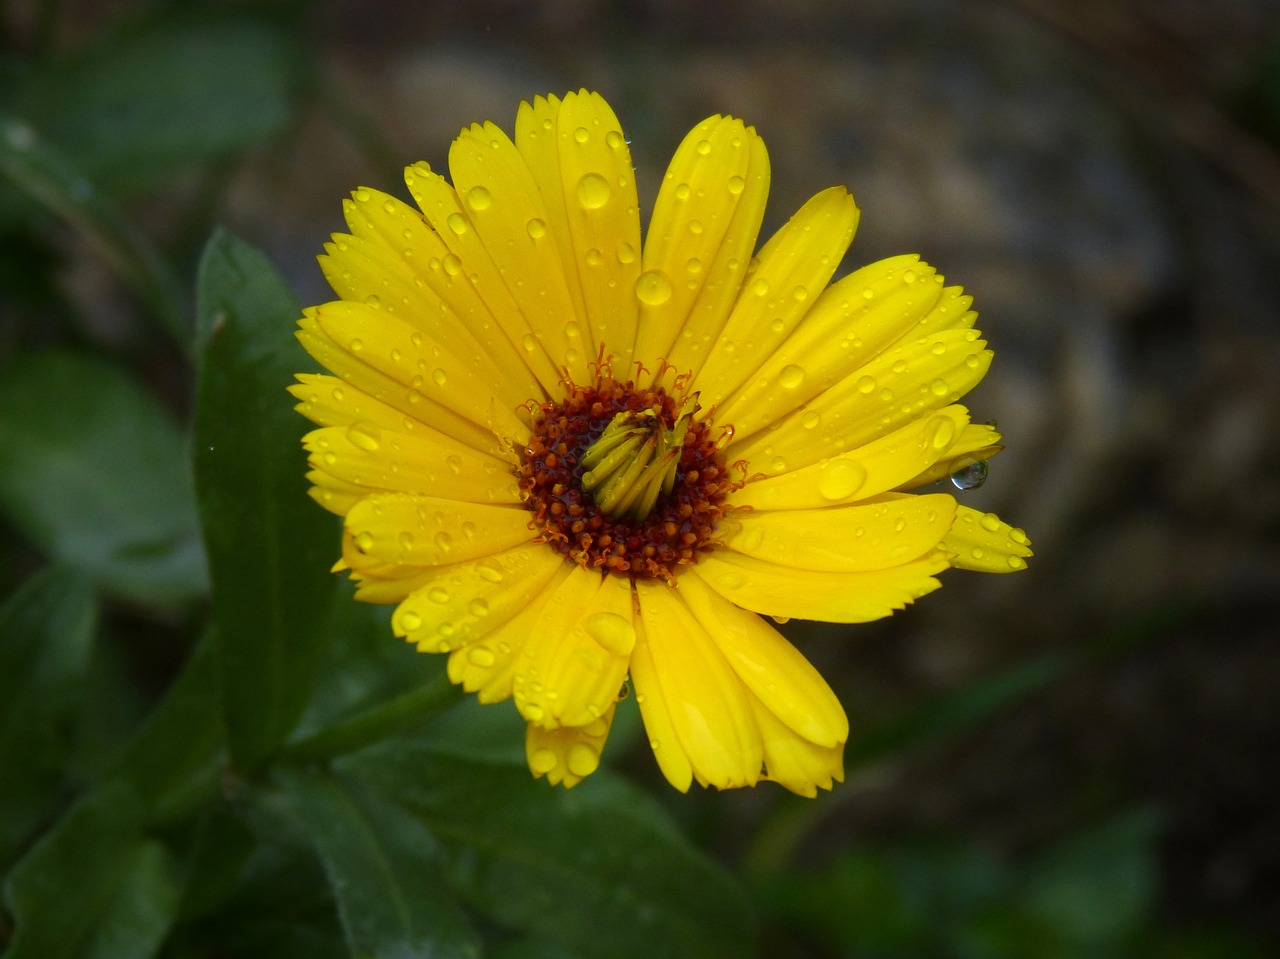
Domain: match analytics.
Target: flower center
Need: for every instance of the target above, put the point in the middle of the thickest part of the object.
(624, 479)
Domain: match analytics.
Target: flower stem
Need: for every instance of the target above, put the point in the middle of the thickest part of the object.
(410, 709)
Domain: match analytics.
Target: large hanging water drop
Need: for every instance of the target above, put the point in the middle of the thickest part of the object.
(970, 475)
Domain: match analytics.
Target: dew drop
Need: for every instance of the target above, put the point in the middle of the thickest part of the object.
(811, 419)
(791, 377)
(357, 345)
(489, 570)
(439, 376)
(542, 760)
(582, 760)
(478, 198)
(938, 348)
(452, 264)
(990, 522)
(438, 594)
(977, 552)
(444, 542)
(1018, 536)
(866, 384)
(1016, 562)
(940, 432)
(899, 367)
(480, 656)
(406, 540)
(736, 185)
(682, 191)
(695, 227)
(612, 631)
(581, 135)
(594, 257)
(752, 538)
(653, 288)
(534, 713)
(615, 140)
(366, 436)
(731, 580)
(478, 608)
(971, 475)
(760, 287)
(593, 191)
(939, 387)
(457, 223)
(839, 479)
(778, 464)
(536, 228)
(364, 542)
(909, 276)
(626, 252)
(528, 342)
(410, 621)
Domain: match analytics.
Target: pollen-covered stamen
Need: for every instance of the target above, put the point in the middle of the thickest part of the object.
(625, 479)
(634, 461)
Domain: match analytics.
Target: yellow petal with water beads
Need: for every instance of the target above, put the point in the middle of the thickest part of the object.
(794, 762)
(985, 543)
(568, 754)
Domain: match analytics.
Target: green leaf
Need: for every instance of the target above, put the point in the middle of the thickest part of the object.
(161, 96)
(384, 870)
(598, 869)
(173, 758)
(93, 887)
(269, 546)
(46, 633)
(96, 474)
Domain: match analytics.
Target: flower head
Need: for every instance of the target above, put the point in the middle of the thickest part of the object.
(571, 458)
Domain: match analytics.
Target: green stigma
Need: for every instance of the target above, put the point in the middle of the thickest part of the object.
(633, 463)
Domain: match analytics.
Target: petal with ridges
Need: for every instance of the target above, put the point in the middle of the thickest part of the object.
(335, 495)
(888, 531)
(708, 213)
(670, 753)
(879, 466)
(852, 321)
(420, 530)
(707, 702)
(983, 542)
(604, 227)
(794, 267)
(576, 657)
(488, 666)
(793, 761)
(978, 442)
(469, 600)
(770, 667)
(569, 754)
(470, 262)
(378, 460)
(345, 360)
(774, 590)
(902, 384)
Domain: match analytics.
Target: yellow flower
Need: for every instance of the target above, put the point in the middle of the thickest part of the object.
(570, 457)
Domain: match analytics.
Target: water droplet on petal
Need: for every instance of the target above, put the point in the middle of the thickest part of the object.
(653, 288)
(703, 147)
(839, 479)
(940, 432)
(439, 376)
(536, 228)
(990, 522)
(478, 198)
(438, 594)
(614, 139)
(1016, 562)
(736, 185)
(593, 191)
(582, 760)
(581, 134)
(866, 384)
(444, 542)
(731, 580)
(626, 252)
(478, 608)
(611, 631)
(791, 377)
(457, 223)
(541, 761)
(481, 656)
(811, 419)
(939, 387)
(366, 436)
(970, 475)
(410, 621)
(364, 542)
(489, 570)
(528, 342)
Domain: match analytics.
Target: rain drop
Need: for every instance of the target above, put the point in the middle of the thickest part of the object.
(990, 522)
(439, 376)
(478, 608)
(866, 384)
(736, 185)
(810, 420)
(410, 621)
(478, 198)
(941, 432)
(612, 631)
(582, 760)
(438, 594)
(581, 135)
(541, 761)
(364, 542)
(791, 377)
(366, 436)
(593, 191)
(480, 656)
(489, 571)
(653, 288)
(939, 387)
(457, 223)
(614, 139)
(444, 542)
(971, 475)
(841, 478)
(626, 252)
(536, 228)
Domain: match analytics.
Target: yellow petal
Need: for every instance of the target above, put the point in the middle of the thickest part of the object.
(978, 442)
(706, 701)
(576, 656)
(329, 401)
(345, 360)
(906, 382)
(794, 268)
(488, 666)
(852, 321)
(335, 495)
(467, 601)
(419, 530)
(376, 460)
(655, 711)
(471, 263)
(890, 530)
(985, 543)
(569, 754)
(394, 256)
(783, 681)
(424, 365)
(774, 590)
(602, 213)
(795, 762)
(699, 242)
(878, 466)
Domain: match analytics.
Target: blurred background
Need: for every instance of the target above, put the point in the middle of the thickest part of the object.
(1080, 760)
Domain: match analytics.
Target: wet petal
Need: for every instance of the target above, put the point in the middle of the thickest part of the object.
(985, 543)
(419, 530)
(795, 762)
(774, 590)
(888, 531)
(775, 672)
(699, 242)
(881, 465)
(576, 656)
(467, 601)
(568, 754)
(707, 703)
(977, 443)
(655, 711)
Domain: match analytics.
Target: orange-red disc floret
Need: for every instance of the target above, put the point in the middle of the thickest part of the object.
(681, 525)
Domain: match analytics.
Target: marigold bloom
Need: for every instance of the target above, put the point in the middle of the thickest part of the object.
(570, 457)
